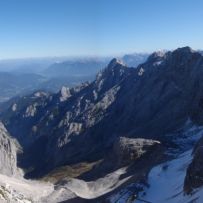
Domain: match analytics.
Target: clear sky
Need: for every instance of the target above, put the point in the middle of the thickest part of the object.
(32, 28)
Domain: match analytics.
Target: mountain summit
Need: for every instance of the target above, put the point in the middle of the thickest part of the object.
(92, 122)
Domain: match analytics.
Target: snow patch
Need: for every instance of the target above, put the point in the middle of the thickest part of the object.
(166, 183)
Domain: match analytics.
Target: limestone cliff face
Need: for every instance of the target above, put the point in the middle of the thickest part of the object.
(127, 150)
(8, 151)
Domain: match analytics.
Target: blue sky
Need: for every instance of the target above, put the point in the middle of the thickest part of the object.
(36, 28)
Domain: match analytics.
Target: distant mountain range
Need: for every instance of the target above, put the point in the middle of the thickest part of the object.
(75, 68)
(22, 76)
(128, 134)
(99, 140)
(133, 60)
(12, 84)
(89, 67)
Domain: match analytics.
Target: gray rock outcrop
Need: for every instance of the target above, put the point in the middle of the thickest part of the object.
(194, 175)
(127, 150)
(8, 153)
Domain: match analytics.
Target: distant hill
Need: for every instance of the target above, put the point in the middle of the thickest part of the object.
(12, 84)
(21, 76)
(81, 67)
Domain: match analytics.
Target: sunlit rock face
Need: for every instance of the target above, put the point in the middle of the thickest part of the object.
(65, 94)
(127, 150)
(8, 153)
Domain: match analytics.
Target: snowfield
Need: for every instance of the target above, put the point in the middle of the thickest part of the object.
(166, 180)
(166, 183)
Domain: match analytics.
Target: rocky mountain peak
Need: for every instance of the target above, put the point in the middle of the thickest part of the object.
(181, 60)
(157, 56)
(65, 93)
(112, 74)
(185, 50)
(114, 68)
(115, 62)
(184, 53)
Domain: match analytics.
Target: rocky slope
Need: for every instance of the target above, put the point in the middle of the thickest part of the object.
(82, 123)
(14, 188)
(117, 127)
